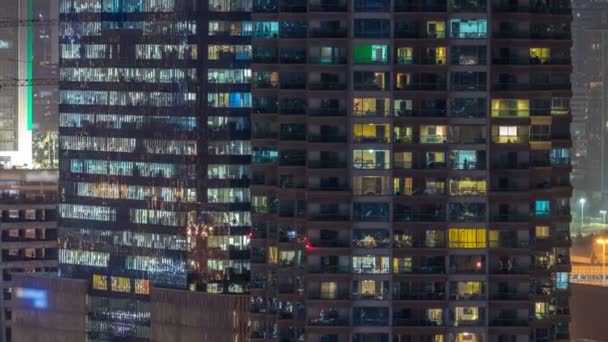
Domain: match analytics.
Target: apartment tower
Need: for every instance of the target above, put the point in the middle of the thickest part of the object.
(410, 170)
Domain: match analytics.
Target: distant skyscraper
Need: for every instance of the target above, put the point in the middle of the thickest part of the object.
(366, 170)
(590, 93)
(28, 220)
(16, 102)
(29, 53)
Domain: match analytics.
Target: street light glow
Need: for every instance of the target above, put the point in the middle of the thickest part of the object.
(582, 201)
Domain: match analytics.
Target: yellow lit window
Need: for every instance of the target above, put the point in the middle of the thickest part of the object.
(468, 289)
(435, 315)
(121, 284)
(273, 255)
(515, 108)
(142, 286)
(329, 290)
(467, 238)
(467, 187)
(402, 265)
(371, 133)
(540, 55)
(466, 314)
(542, 232)
(403, 186)
(403, 160)
(100, 282)
(437, 54)
(438, 338)
(405, 55)
(371, 107)
(404, 80)
(433, 134)
(435, 29)
(403, 134)
(494, 237)
(215, 288)
(506, 135)
(540, 310)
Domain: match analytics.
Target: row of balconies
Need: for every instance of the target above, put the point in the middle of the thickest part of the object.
(299, 6)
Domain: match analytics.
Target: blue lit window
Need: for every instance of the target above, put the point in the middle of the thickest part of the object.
(469, 28)
(37, 297)
(541, 208)
(562, 280)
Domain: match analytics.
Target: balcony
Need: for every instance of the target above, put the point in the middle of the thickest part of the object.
(327, 111)
(514, 60)
(399, 321)
(508, 322)
(326, 85)
(327, 138)
(422, 295)
(419, 6)
(327, 164)
(515, 86)
(509, 296)
(420, 113)
(422, 86)
(328, 32)
(419, 217)
(408, 33)
(333, 269)
(293, 6)
(538, 9)
(328, 6)
(550, 35)
(329, 216)
(327, 60)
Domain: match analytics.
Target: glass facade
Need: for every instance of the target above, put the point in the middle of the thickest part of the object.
(370, 165)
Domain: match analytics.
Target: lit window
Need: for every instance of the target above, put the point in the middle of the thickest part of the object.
(540, 55)
(142, 286)
(433, 134)
(435, 29)
(329, 290)
(402, 160)
(467, 238)
(273, 255)
(513, 108)
(100, 282)
(542, 232)
(541, 208)
(466, 314)
(121, 284)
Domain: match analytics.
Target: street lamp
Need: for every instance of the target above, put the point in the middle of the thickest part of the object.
(603, 242)
(603, 213)
(582, 202)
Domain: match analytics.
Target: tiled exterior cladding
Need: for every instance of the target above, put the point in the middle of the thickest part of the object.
(410, 170)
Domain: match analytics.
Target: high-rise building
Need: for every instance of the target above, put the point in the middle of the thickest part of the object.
(589, 106)
(15, 102)
(366, 170)
(154, 147)
(28, 221)
(28, 68)
(410, 170)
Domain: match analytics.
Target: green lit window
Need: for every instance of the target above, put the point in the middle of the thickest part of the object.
(370, 54)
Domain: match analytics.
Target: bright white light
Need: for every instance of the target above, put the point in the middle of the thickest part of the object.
(582, 201)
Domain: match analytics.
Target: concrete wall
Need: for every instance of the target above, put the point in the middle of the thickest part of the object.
(185, 316)
(589, 312)
(64, 318)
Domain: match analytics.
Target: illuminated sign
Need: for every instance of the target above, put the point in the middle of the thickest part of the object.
(37, 297)
(4, 44)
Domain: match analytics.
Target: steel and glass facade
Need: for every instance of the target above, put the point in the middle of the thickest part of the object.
(129, 130)
(366, 170)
